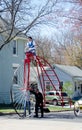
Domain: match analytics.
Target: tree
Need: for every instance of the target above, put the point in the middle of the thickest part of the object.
(49, 49)
(68, 87)
(21, 16)
(44, 48)
(68, 49)
(69, 16)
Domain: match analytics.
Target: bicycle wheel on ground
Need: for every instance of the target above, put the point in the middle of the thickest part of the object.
(19, 90)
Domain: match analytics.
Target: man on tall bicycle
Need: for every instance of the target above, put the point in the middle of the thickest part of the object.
(30, 47)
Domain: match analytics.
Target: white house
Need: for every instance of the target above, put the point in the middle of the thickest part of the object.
(71, 76)
(11, 56)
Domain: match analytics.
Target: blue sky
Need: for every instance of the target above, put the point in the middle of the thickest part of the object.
(58, 23)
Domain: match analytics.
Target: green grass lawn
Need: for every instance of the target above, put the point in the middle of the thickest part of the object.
(7, 110)
(58, 108)
(51, 108)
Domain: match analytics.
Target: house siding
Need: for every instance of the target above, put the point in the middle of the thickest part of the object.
(7, 59)
(66, 79)
(71, 79)
(62, 75)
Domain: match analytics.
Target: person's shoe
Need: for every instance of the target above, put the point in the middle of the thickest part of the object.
(35, 116)
(41, 117)
(29, 115)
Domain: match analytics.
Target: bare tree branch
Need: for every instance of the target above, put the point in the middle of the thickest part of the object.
(15, 23)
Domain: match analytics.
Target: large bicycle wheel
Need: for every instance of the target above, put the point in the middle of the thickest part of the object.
(19, 90)
(76, 109)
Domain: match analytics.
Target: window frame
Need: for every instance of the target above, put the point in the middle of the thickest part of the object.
(47, 85)
(15, 67)
(15, 76)
(15, 48)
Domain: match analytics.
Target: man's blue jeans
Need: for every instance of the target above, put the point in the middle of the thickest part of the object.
(27, 105)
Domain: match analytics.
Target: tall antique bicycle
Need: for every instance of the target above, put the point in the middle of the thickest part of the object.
(30, 73)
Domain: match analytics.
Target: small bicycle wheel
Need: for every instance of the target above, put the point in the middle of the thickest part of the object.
(76, 109)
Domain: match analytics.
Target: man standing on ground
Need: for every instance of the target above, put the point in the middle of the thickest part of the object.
(39, 102)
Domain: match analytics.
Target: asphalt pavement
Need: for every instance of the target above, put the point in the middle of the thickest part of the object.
(51, 121)
(37, 124)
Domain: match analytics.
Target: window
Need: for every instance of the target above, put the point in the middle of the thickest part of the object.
(57, 94)
(47, 86)
(51, 93)
(75, 87)
(15, 77)
(61, 85)
(81, 88)
(14, 47)
(64, 94)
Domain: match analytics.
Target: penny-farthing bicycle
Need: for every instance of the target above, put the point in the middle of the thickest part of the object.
(37, 71)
